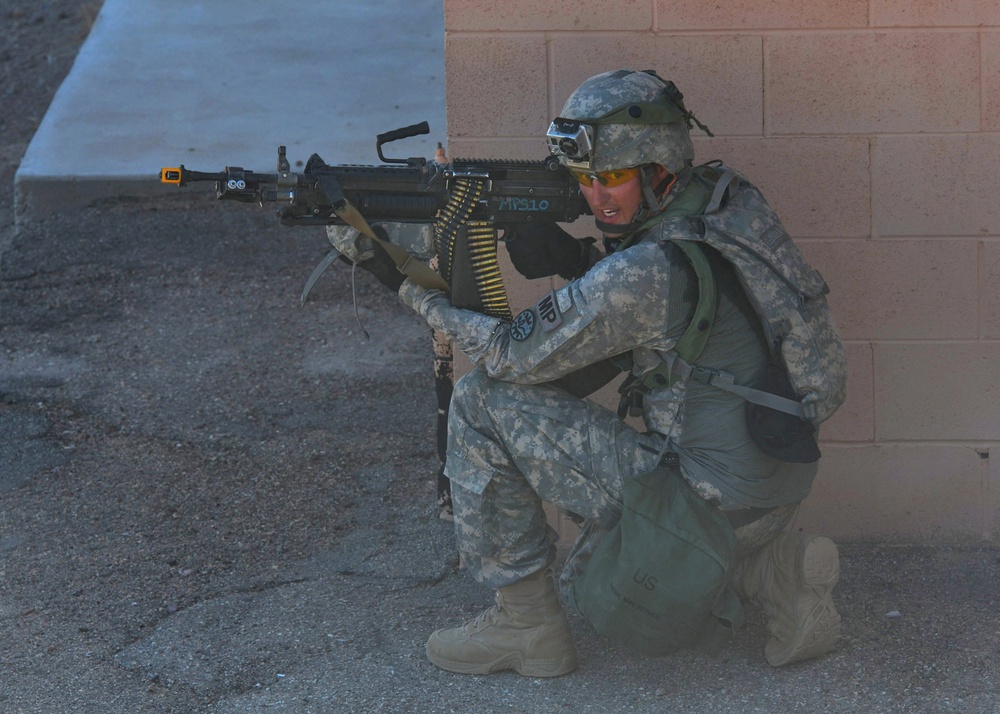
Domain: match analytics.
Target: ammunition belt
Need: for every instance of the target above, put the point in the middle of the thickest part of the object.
(467, 251)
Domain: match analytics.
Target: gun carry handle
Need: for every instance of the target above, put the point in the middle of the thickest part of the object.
(404, 133)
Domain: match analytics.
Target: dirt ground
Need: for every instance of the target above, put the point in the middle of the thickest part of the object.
(213, 499)
(173, 423)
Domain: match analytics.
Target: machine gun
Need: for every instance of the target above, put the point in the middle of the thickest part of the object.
(466, 200)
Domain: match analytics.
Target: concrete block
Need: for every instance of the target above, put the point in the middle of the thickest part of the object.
(748, 14)
(859, 82)
(936, 185)
(487, 148)
(937, 391)
(561, 15)
(820, 186)
(990, 47)
(990, 287)
(855, 420)
(923, 493)
(933, 13)
(720, 75)
(496, 85)
(900, 289)
(159, 84)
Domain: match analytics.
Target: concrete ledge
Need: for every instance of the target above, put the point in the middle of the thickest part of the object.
(164, 82)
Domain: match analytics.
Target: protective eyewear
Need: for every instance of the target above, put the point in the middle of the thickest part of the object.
(608, 179)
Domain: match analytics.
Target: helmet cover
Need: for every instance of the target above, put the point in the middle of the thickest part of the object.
(630, 118)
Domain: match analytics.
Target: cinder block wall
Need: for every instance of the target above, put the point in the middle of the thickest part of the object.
(872, 127)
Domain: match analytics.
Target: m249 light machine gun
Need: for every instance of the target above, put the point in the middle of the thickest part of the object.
(465, 200)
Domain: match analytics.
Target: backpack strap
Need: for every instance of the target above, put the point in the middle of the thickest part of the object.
(679, 368)
(690, 344)
(704, 195)
(701, 193)
(719, 192)
(689, 347)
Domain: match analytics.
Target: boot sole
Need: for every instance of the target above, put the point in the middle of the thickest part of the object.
(820, 627)
(514, 661)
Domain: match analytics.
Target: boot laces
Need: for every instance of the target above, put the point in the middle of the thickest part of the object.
(487, 616)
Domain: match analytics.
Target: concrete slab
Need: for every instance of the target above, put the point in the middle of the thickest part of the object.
(210, 84)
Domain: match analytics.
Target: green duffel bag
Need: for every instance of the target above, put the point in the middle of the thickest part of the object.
(659, 580)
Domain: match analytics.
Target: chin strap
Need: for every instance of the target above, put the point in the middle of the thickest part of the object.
(649, 192)
(617, 230)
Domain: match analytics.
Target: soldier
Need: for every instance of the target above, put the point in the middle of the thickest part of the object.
(516, 440)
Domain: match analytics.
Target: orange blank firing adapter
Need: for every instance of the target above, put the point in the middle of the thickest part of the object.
(171, 174)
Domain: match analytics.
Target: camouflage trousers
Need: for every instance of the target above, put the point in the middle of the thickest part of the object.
(513, 446)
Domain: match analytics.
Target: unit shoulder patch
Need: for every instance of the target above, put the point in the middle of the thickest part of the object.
(523, 325)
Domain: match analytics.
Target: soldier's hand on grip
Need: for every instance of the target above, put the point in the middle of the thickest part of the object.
(539, 251)
(381, 265)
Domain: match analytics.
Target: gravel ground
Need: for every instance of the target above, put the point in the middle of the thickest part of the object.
(212, 499)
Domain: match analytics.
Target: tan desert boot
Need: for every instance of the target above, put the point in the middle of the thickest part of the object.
(526, 631)
(792, 578)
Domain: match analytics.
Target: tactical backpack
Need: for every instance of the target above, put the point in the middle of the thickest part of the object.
(807, 381)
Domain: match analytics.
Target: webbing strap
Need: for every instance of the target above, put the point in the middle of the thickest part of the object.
(681, 369)
(405, 263)
(678, 363)
(693, 341)
(719, 193)
(692, 201)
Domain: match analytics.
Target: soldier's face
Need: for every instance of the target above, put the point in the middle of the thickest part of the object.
(618, 204)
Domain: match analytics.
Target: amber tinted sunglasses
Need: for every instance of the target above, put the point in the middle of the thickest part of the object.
(608, 179)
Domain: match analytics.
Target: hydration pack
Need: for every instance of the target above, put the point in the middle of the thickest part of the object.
(807, 380)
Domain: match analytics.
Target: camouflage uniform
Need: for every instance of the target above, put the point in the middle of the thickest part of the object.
(515, 441)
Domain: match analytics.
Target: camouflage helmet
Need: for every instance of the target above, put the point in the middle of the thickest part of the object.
(621, 119)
